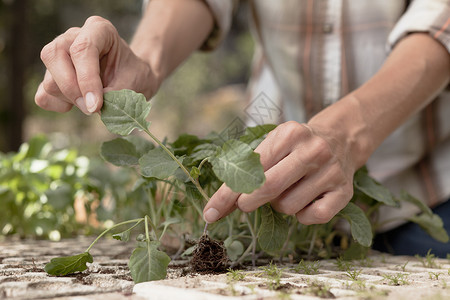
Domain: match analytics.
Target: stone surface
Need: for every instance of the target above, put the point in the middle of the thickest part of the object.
(378, 277)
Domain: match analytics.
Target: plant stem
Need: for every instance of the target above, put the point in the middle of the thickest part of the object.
(313, 240)
(137, 221)
(197, 185)
(252, 232)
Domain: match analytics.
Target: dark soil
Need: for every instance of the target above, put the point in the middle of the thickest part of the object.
(209, 257)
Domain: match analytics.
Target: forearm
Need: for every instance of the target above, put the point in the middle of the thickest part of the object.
(416, 70)
(170, 31)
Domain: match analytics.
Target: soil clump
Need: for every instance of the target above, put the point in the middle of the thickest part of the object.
(209, 256)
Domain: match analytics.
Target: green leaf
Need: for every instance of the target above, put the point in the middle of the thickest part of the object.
(273, 231)
(239, 167)
(257, 132)
(61, 266)
(120, 152)
(157, 163)
(203, 151)
(234, 248)
(372, 188)
(147, 263)
(169, 222)
(123, 236)
(433, 225)
(359, 224)
(142, 145)
(404, 196)
(125, 110)
(195, 172)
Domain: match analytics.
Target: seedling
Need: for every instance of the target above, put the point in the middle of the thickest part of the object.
(319, 289)
(403, 267)
(429, 261)
(353, 274)
(235, 275)
(434, 275)
(273, 275)
(308, 268)
(397, 279)
(342, 264)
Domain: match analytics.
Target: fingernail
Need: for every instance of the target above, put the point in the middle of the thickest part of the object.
(81, 105)
(211, 215)
(91, 102)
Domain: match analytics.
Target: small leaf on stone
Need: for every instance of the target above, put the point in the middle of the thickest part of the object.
(61, 266)
(238, 166)
(273, 230)
(157, 163)
(124, 111)
(147, 263)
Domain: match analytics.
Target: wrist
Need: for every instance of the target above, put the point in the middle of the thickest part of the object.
(345, 124)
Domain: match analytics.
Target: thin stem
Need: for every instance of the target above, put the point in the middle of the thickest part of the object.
(197, 185)
(137, 221)
(252, 232)
(313, 240)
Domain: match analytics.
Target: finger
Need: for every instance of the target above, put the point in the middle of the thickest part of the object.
(307, 190)
(96, 39)
(221, 204)
(278, 178)
(51, 88)
(324, 209)
(58, 62)
(49, 102)
(280, 142)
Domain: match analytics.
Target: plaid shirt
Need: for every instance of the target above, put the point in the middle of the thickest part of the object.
(311, 53)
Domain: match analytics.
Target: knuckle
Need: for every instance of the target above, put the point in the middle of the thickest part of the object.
(80, 46)
(282, 207)
(244, 207)
(48, 52)
(322, 213)
(292, 129)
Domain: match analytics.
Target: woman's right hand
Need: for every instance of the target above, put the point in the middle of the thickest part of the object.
(84, 62)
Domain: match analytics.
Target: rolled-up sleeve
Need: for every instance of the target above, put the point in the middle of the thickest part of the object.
(222, 12)
(431, 16)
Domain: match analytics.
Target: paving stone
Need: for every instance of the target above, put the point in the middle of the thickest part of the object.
(378, 277)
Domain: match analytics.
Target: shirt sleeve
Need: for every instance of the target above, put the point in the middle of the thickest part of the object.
(431, 16)
(222, 11)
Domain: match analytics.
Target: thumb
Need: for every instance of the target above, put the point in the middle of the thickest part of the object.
(221, 204)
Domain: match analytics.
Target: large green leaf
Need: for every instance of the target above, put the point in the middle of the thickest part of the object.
(273, 231)
(359, 224)
(120, 152)
(254, 133)
(404, 196)
(142, 145)
(157, 163)
(147, 263)
(433, 225)
(238, 166)
(61, 266)
(124, 111)
(372, 188)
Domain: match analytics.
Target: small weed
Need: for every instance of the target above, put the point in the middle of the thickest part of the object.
(235, 275)
(434, 275)
(428, 261)
(342, 265)
(403, 268)
(273, 274)
(397, 279)
(319, 289)
(383, 258)
(308, 268)
(366, 262)
(353, 274)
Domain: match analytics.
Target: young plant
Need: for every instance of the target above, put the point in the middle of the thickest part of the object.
(429, 261)
(233, 162)
(353, 274)
(308, 268)
(397, 279)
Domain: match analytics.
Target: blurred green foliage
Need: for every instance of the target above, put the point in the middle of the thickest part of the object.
(52, 193)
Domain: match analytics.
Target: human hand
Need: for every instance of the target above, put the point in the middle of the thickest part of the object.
(84, 62)
(309, 174)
